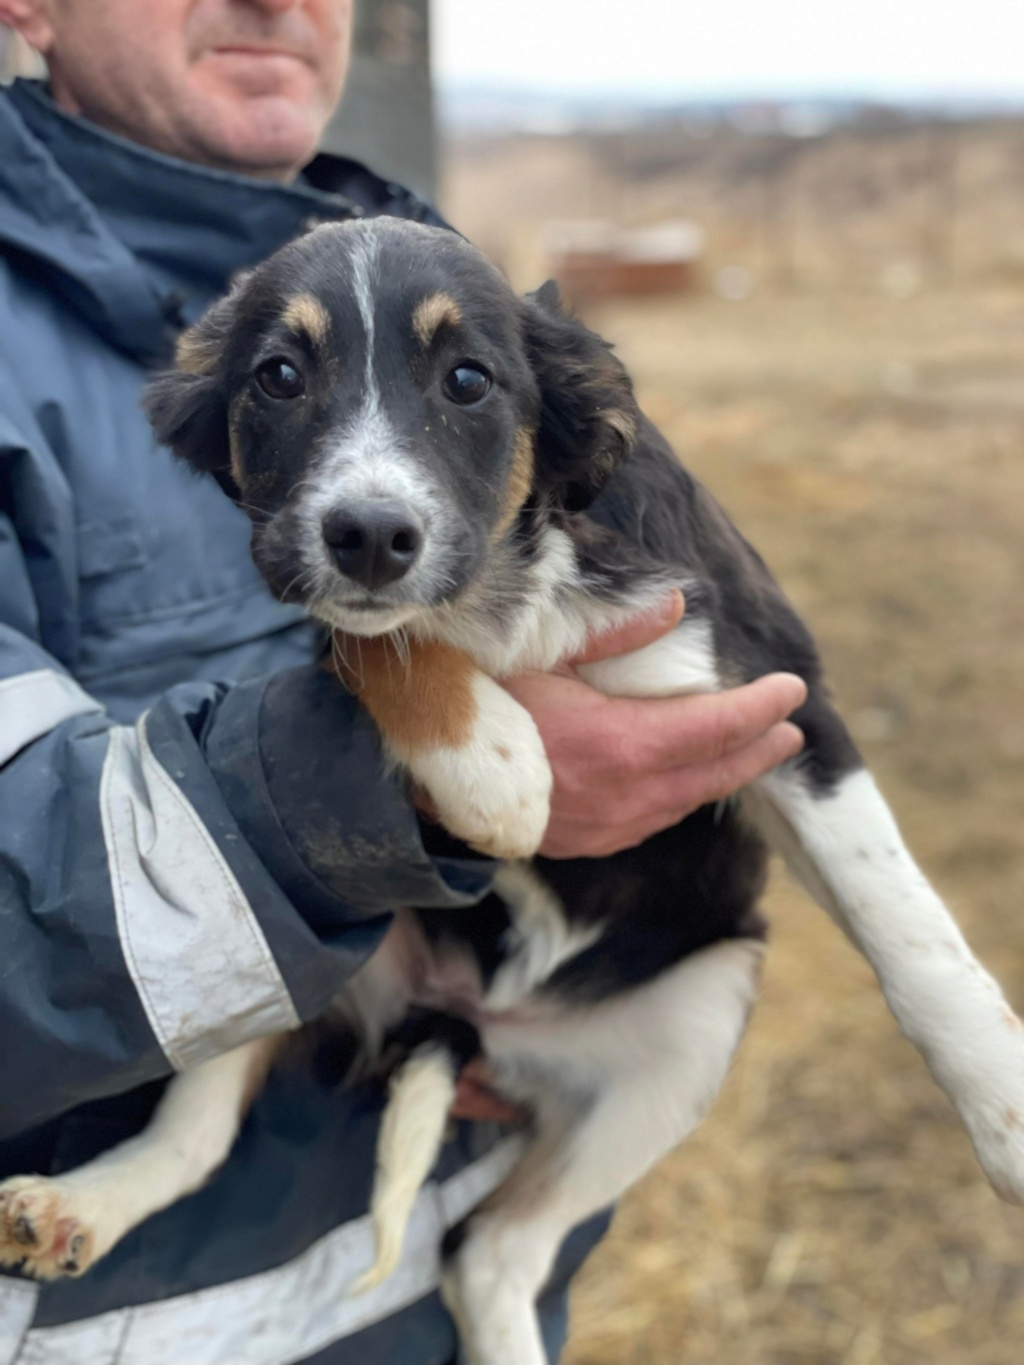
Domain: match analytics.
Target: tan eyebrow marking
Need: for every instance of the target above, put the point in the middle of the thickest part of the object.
(520, 479)
(305, 313)
(194, 353)
(433, 313)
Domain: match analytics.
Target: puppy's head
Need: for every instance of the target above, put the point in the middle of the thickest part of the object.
(384, 407)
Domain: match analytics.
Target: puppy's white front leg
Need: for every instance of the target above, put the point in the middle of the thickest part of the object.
(472, 748)
(493, 790)
(847, 850)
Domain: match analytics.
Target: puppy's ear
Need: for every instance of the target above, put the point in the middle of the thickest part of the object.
(588, 415)
(187, 406)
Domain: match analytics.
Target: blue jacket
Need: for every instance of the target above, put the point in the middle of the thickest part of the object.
(197, 844)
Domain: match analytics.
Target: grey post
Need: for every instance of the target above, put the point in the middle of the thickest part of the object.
(386, 116)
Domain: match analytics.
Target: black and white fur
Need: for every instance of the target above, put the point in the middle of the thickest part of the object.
(610, 995)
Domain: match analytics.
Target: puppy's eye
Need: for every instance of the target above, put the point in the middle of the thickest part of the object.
(467, 384)
(279, 379)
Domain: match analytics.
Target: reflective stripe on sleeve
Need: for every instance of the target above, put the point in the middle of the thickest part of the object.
(32, 704)
(192, 942)
(286, 1314)
(17, 1304)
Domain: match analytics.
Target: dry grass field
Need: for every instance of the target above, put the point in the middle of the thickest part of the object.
(829, 1212)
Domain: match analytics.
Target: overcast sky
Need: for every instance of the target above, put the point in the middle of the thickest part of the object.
(701, 48)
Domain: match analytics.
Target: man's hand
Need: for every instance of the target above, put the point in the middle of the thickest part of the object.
(626, 769)
(475, 1099)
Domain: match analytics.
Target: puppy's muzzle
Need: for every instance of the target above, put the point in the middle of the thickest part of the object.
(375, 542)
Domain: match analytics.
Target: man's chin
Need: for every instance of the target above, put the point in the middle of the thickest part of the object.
(267, 136)
(257, 75)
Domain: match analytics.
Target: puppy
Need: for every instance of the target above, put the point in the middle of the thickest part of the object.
(459, 483)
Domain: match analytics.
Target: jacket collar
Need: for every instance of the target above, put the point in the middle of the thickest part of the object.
(137, 241)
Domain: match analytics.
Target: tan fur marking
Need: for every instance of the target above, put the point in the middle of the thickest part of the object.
(427, 703)
(622, 422)
(237, 472)
(520, 480)
(234, 444)
(305, 313)
(432, 313)
(194, 354)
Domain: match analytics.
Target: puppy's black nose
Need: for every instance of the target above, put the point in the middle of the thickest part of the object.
(374, 542)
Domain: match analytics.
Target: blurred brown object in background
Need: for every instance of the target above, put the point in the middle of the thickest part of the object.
(594, 258)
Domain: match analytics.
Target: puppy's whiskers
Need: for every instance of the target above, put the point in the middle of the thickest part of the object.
(340, 659)
(304, 574)
(399, 637)
(255, 511)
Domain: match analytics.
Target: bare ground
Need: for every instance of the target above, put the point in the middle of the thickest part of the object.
(830, 1211)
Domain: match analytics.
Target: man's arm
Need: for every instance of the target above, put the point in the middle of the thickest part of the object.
(140, 930)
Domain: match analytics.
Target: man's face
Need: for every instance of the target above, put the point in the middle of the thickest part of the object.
(243, 85)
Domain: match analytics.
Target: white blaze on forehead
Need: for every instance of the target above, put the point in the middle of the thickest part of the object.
(368, 459)
(365, 457)
(365, 273)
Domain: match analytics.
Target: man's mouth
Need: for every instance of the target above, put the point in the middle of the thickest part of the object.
(251, 63)
(252, 50)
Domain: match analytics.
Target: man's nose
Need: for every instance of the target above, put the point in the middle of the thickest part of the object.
(375, 542)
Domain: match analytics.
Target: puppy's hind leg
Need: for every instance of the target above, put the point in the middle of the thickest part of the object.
(644, 1068)
(840, 839)
(61, 1226)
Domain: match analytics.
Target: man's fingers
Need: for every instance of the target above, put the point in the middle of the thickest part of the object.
(666, 797)
(673, 796)
(701, 783)
(640, 631)
(709, 726)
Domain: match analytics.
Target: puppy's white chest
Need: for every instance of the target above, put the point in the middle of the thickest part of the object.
(682, 661)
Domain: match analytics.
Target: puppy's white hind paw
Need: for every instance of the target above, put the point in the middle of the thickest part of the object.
(41, 1230)
(494, 792)
(993, 1109)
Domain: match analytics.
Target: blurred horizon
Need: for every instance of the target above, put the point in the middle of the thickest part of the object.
(482, 109)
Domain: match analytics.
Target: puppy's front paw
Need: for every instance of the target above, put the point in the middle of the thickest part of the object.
(494, 791)
(40, 1229)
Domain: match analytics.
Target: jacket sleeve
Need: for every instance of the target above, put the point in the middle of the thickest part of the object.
(171, 889)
